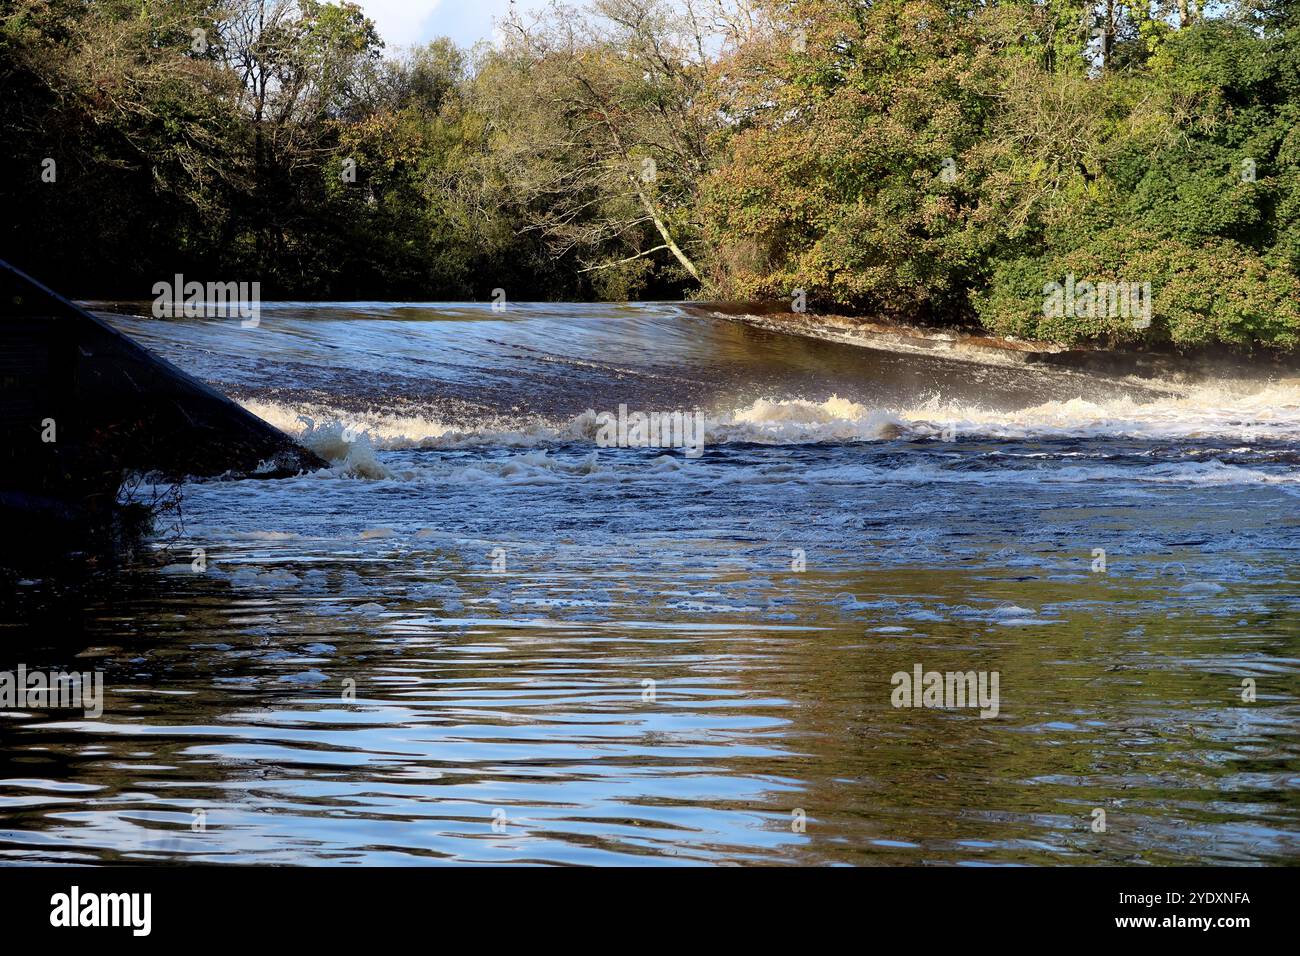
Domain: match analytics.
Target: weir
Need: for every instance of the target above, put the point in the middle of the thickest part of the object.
(82, 406)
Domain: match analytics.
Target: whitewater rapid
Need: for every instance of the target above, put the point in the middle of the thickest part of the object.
(1237, 415)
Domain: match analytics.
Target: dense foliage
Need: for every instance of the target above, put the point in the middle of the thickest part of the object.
(941, 161)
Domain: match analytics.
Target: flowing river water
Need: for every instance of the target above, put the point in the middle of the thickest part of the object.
(480, 637)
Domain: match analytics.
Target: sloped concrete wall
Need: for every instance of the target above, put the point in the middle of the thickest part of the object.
(110, 406)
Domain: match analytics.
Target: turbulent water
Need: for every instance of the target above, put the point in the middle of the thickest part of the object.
(480, 637)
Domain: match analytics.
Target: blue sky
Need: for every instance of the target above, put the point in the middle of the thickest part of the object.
(407, 22)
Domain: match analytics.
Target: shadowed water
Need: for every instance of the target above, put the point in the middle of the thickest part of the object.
(478, 637)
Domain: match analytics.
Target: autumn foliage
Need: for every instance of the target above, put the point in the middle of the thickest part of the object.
(929, 161)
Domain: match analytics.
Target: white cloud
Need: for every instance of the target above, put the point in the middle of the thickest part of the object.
(401, 22)
(404, 23)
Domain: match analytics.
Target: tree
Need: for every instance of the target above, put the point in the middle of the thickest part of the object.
(601, 127)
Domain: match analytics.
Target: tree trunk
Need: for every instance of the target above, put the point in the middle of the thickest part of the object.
(1108, 34)
(667, 236)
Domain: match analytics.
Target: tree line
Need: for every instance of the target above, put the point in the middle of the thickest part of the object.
(932, 161)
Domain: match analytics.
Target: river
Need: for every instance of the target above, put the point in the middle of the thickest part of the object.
(479, 637)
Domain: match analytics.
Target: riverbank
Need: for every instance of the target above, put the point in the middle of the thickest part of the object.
(1152, 366)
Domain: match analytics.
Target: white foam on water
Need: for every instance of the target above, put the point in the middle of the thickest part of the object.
(799, 422)
(1237, 410)
(328, 427)
(1240, 411)
(350, 453)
